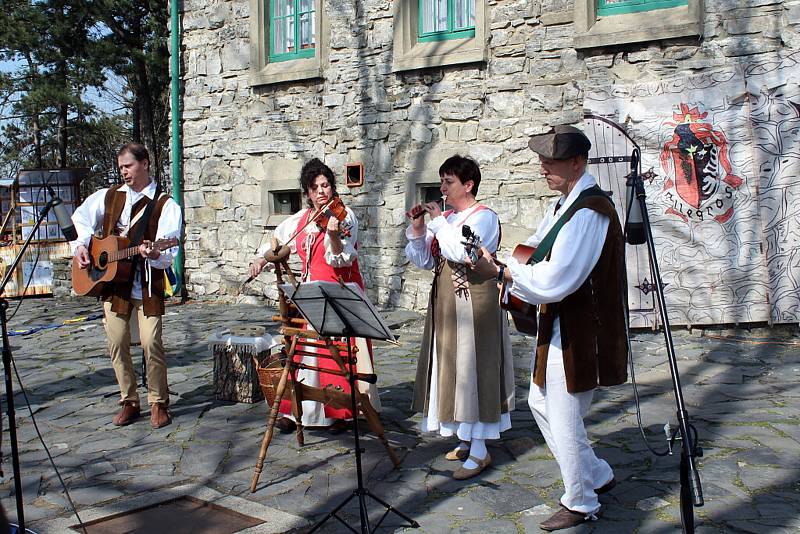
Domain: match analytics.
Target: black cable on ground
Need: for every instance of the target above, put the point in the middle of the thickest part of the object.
(49, 456)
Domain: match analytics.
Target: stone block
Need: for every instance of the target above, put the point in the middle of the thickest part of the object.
(420, 112)
(764, 25)
(332, 100)
(421, 133)
(220, 13)
(193, 199)
(485, 154)
(791, 13)
(214, 172)
(459, 109)
(505, 66)
(201, 215)
(506, 104)
(745, 46)
(468, 132)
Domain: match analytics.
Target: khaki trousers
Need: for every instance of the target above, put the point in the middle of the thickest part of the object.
(118, 331)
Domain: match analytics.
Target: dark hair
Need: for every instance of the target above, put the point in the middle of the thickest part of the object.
(463, 168)
(309, 173)
(137, 150)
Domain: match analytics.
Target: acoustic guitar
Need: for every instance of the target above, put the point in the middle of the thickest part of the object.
(109, 263)
(522, 313)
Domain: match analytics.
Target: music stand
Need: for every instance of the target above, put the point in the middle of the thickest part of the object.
(341, 310)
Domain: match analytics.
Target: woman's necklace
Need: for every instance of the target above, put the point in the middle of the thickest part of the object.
(468, 207)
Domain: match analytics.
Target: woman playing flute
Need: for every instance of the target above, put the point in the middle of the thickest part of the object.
(465, 382)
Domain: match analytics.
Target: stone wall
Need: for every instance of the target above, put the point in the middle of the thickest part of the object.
(402, 125)
(62, 277)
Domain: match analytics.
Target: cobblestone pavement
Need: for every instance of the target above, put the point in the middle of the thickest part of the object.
(741, 390)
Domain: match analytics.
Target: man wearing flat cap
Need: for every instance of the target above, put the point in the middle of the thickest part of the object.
(577, 277)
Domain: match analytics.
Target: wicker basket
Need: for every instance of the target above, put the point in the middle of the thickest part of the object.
(268, 378)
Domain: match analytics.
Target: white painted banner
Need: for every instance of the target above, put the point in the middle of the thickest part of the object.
(721, 159)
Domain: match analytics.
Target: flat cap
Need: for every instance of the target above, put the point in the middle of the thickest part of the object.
(562, 142)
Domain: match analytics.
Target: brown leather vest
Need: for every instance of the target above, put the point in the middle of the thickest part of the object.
(119, 293)
(592, 319)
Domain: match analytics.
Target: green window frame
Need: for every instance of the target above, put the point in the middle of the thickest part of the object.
(619, 7)
(457, 23)
(291, 22)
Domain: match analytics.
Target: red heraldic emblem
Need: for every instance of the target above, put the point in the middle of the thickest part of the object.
(696, 156)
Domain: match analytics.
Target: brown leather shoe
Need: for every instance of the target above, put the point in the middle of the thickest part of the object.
(285, 425)
(339, 426)
(457, 454)
(566, 518)
(159, 415)
(462, 473)
(128, 414)
(608, 486)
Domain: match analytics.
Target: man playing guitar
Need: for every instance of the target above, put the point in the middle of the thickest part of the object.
(577, 276)
(136, 209)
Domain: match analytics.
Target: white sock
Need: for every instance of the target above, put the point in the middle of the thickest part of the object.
(477, 449)
(463, 446)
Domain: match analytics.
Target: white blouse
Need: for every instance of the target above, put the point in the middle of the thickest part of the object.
(574, 254)
(447, 231)
(287, 228)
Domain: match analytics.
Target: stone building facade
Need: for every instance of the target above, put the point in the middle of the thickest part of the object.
(374, 94)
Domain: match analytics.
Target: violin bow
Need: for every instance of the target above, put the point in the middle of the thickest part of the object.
(276, 246)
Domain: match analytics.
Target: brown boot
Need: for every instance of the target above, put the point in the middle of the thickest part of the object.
(128, 414)
(159, 415)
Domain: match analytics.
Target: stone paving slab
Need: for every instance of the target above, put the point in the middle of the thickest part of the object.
(743, 397)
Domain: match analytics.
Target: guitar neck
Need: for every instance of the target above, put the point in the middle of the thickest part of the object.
(126, 253)
(123, 254)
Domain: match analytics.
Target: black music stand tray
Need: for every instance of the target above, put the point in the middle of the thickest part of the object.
(337, 309)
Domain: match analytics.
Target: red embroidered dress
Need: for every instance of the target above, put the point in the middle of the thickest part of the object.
(310, 247)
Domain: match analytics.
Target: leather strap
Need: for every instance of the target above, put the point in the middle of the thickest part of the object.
(547, 243)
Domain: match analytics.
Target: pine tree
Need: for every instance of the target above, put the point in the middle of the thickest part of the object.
(62, 49)
(139, 32)
(56, 66)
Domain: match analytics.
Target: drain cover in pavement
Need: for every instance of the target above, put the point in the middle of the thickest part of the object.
(184, 515)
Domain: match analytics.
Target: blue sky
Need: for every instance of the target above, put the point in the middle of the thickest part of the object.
(103, 100)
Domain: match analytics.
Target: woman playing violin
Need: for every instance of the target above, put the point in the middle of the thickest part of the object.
(326, 241)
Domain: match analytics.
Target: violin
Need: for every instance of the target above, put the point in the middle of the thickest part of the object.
(335, 208)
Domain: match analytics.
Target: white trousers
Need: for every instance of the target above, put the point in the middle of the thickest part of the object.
(559, 415)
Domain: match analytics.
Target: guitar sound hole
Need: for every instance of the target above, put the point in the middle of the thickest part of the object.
(102, 260)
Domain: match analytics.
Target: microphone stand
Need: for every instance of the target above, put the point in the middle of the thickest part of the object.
(691, 490)
(7, 357)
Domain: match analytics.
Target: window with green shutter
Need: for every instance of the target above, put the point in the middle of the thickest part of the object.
(292, 29)
(618, 7)
(440, 20)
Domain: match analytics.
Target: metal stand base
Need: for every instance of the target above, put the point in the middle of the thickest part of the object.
(361, 494)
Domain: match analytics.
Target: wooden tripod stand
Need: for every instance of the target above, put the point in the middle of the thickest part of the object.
(299, 341)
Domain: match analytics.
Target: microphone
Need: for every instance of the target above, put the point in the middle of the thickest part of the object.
(634, 222)
(62, 216)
